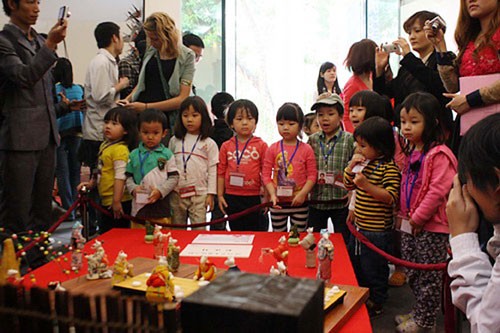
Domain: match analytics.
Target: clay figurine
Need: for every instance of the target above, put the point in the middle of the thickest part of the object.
(206, 270)
(160, 288)
(77, 244)
(173, 255)
(231, 265)
(148, 238)
(159, 241)
(13, 277)
(293, 236)
(280, 271)
(98, 263)
(280, 253)
(325, 256)
(307, 243)
(122, 269)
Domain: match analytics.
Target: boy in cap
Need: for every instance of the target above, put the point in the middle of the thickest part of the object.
(333, 148)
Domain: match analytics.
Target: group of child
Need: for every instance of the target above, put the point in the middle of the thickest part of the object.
(308, 182)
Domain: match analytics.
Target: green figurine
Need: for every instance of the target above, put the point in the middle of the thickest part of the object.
(293, 236)
(148, 239)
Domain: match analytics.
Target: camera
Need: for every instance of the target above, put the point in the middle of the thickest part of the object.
(438, 23)
(63, 13)
(390, 48)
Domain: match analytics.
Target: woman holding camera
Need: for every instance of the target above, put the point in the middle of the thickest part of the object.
(416, 74)
(478, 38)
(167, 70)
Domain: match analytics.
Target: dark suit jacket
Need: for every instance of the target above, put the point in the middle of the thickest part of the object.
(27, 108)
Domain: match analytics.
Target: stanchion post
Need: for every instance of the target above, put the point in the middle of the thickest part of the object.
(84, 212)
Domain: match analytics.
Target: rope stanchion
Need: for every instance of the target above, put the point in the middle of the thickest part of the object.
(396, 261)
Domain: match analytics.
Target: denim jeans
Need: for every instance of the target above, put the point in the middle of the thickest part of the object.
(372, 270)
(68, 170)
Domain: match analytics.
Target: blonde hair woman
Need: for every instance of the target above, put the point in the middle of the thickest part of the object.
(167, 70)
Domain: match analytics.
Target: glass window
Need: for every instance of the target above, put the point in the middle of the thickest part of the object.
(204, 18)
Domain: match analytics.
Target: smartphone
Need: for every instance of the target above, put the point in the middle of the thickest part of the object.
(63, 13)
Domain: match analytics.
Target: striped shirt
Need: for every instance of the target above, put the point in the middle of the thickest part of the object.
(332, 156)
(371, 214)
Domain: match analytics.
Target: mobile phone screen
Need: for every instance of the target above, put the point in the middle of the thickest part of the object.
(62, 13)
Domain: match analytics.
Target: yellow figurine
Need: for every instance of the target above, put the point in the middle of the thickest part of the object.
(206, 270)
(160, 288)
(122, 269)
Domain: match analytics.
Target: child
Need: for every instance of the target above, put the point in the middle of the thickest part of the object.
(221, 133)
(293, 167)
(311, 125)
(196, 156)
(426, 181)
(240, 164)
(475, 288)
(151, 171)
(333, 148)
(377, 191)
(120, 136)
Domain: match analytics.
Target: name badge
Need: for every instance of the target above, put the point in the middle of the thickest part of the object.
(359, 167)
(187, 192)
(405, 226)
(285, 191)
(339, 181)
(330, 178)
(236, 179)
(142, 197)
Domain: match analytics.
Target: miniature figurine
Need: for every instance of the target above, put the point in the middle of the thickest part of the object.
(308, 245)
(230, 263)
(281, 269)
(160, 288)
(148, 238)
(293, 236)
(77, 244)
(98, 263)
(122, 269)
(280, 253)
(206, 270)
(159, 241)
(325, 256)
(173, 255)
(274, 271)
(13, 277)
(56, 285)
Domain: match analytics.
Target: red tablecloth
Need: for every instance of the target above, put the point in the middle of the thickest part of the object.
(132, 242)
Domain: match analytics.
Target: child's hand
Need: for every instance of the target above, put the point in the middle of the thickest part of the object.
(117, 209)
(461, 210)
(299, 199)
(274, 199)
(222, 204)
(209, 202)
(415, 228)
(356, 159)
(88, 185)
(361, 181)
(154, 196)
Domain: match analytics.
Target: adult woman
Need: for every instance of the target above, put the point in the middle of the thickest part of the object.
(416, 73)
(361, 62)
(327, 81)
(478, 38)
(70, 130)
(167, 70)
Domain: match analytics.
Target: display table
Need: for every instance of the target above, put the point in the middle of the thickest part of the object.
(131, 241)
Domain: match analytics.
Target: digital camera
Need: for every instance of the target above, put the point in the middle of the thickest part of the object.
(389, 48)
(438, 23)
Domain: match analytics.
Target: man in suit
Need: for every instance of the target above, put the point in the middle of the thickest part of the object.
(28, 129)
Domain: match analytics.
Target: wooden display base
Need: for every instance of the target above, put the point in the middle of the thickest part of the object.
(335, 318)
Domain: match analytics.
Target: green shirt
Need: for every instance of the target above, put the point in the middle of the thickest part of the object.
(332, 156)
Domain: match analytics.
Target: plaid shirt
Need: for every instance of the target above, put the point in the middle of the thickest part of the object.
(343, 149)
(130, 66)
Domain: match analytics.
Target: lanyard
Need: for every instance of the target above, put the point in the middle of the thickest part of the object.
(238, 156)
(371, 173)
(325, 156)
(285, 163)
(106, 145)
(184, 159)
(409, 193)
(141, 161)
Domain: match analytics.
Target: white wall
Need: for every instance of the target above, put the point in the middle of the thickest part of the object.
(85, 15)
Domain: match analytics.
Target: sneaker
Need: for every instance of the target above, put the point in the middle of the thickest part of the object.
(410, 326)
(399, 319)
(397, 279)
(374, 309)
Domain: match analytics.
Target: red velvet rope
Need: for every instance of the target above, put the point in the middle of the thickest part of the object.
(396, 261)
(84, 199)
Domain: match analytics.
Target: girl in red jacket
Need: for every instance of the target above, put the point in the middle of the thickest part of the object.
(426, 181)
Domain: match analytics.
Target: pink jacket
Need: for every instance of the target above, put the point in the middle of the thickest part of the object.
(429, 207)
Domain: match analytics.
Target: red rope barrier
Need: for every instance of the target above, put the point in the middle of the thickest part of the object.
(396, 261)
